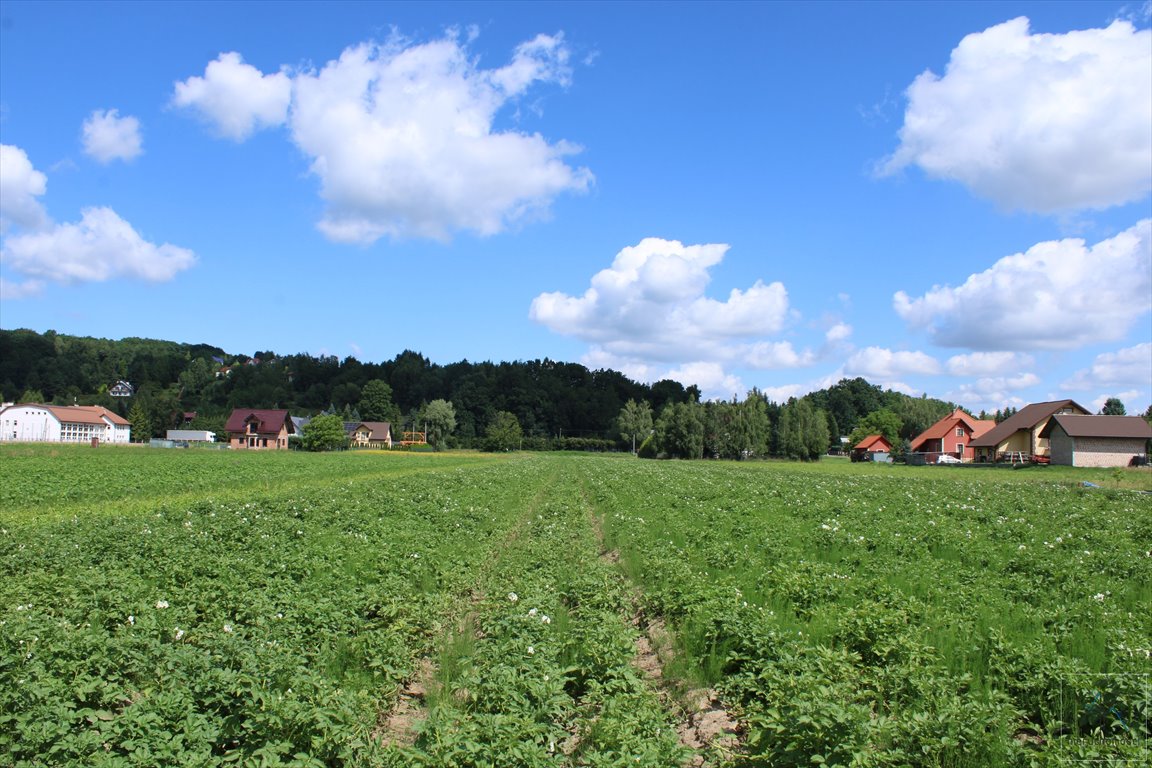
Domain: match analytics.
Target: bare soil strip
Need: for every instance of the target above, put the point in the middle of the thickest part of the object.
(705, 724)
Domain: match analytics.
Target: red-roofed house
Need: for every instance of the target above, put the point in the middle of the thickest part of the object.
(951, 435)
(259, 429)
(866, 449)
(33, 422)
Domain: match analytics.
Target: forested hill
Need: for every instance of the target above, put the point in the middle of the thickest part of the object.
(548, 398)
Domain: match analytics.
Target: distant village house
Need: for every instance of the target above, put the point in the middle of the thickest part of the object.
(259, 429)
(36, 423)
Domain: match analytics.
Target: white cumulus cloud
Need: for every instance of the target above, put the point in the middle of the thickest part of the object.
(101, 246)
(236, 98)
(988, 363)
(881, 363)
(108, 137)
(403, 137)
(1129, 367)
(1059, 294)
(647, 315)
(650, 304)
(20, 186)
(1039, 122)
(993, 392)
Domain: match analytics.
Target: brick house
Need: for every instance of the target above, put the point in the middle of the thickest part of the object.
(259, 429)
(1096, 441)
(952, 435)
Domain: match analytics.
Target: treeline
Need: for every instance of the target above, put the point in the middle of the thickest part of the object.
(554, 404)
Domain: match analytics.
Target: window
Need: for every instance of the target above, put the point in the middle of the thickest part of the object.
(959, 431)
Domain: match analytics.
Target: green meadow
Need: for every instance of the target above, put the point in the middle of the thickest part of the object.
(206, 608)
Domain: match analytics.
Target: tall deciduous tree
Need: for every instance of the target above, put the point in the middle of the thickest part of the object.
(376, 402)
(324, 433)
(680, 431)
(882, 422)
(635, 421)
(440, 418)
(504, 432)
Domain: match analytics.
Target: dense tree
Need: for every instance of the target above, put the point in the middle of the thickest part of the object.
(504, 432)
(439, 417)
(882, 422)
(324, 433)
(376, 402)
(140, 421)
(680, 431)
(1113, 407)
(803, 430)
(635, 421)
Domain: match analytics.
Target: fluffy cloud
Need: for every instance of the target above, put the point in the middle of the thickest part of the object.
(108, 137)
(100, 247)
(837, 333)
(650, 304)
(987, 363)
(880, 363)
(647, 316)
(1129, 367)
(994, 392)
(1044, 122)
(20, 185)
(402, 136)
(1057, 295)
(236, 98)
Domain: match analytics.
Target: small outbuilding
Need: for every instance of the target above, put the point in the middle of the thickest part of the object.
(872, 448)
(1096, 441)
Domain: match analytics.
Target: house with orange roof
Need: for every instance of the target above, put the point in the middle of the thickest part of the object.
(869, 448)
(952, 435)
(37, 423)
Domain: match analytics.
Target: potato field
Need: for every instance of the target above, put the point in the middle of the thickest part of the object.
(204, 608)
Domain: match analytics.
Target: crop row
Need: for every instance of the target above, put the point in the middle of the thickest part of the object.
(899, 618)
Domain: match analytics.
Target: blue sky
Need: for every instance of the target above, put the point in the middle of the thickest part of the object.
(943, 198)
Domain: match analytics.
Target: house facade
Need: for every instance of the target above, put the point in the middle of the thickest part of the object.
(1096, 441)
(259, 429)
(37, 423)
(952, 435)
(1018, 437)
(372, 434)
(872, 448)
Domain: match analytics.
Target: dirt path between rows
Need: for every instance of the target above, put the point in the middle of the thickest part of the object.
(704, 723)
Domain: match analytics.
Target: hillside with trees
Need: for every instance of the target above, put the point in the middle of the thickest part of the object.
(543, 403)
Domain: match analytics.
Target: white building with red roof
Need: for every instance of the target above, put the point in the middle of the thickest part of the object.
(37, 423)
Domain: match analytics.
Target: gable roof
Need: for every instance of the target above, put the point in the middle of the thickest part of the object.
(378, 430)
(268, 421)
(873, 443)
(86, 414)
(1075, 425)
(944, 428)
(1026, 418)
